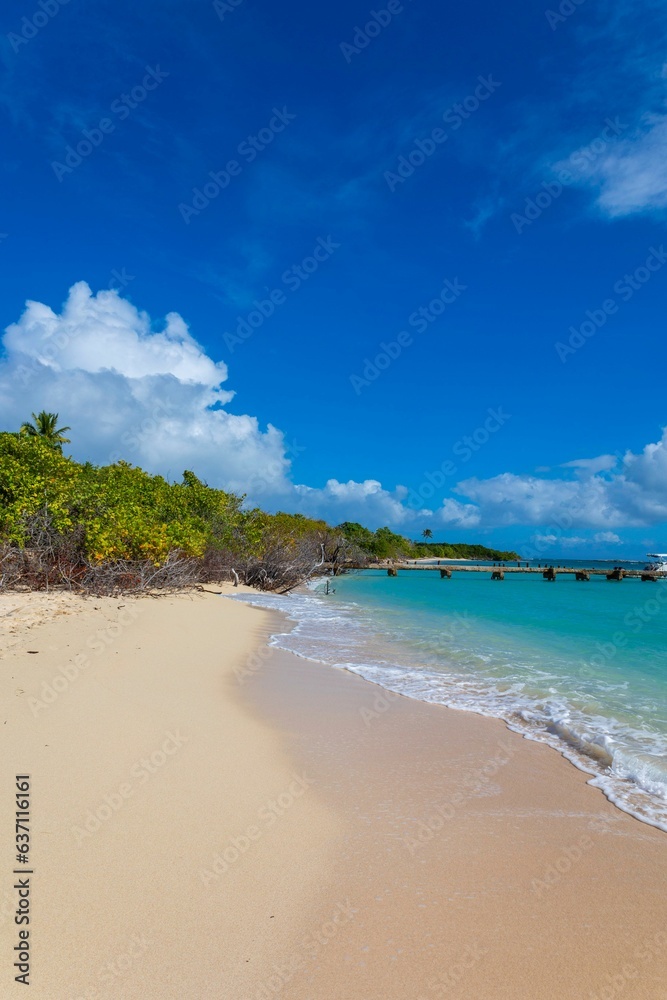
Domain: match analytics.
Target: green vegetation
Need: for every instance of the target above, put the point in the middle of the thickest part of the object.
(386, 544)
(45, 426)
(120, 512)
(380, 544)
(117, 527)
(461, 550)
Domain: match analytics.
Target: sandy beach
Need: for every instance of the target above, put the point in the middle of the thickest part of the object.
(213, 818)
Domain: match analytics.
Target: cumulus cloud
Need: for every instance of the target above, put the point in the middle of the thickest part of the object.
(155, 398)
(105, 332)
(344, 501)
(510, 499)
(634, 495)
(151, 396)
(462, 515)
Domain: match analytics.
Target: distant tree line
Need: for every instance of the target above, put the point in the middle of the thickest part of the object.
(386, 544)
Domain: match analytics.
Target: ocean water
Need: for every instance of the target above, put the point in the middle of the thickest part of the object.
(581, 666)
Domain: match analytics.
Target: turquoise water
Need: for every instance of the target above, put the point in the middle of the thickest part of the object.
(582, 666)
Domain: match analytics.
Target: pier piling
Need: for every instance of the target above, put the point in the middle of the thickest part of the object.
(451, 570)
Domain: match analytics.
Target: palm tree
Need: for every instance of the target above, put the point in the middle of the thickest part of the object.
(427, 533)
(46, 428)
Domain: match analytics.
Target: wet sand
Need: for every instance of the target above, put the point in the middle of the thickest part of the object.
(480, 864)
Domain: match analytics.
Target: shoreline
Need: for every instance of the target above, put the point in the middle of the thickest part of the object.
(469, 849)
(311, 836)
(571, 740)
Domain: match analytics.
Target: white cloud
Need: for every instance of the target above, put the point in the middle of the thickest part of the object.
(155, 398)
(632, 176)
(618, 79)
(633, 496)
(607, 536)
(105, 332)
(542, 541)
(603, 463)
(150, 396)
(346, 501)
(461, 515)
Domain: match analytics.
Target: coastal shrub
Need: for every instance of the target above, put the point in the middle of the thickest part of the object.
(81, 524)
(117, 526)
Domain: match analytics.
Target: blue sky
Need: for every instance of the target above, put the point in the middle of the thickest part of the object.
(252, 201)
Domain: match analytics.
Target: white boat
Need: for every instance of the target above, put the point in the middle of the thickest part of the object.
(660, 564)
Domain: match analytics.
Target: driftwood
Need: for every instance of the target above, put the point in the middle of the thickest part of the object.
(50, 560)
(42, 569)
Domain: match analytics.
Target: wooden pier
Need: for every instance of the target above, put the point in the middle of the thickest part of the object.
(500, 571)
